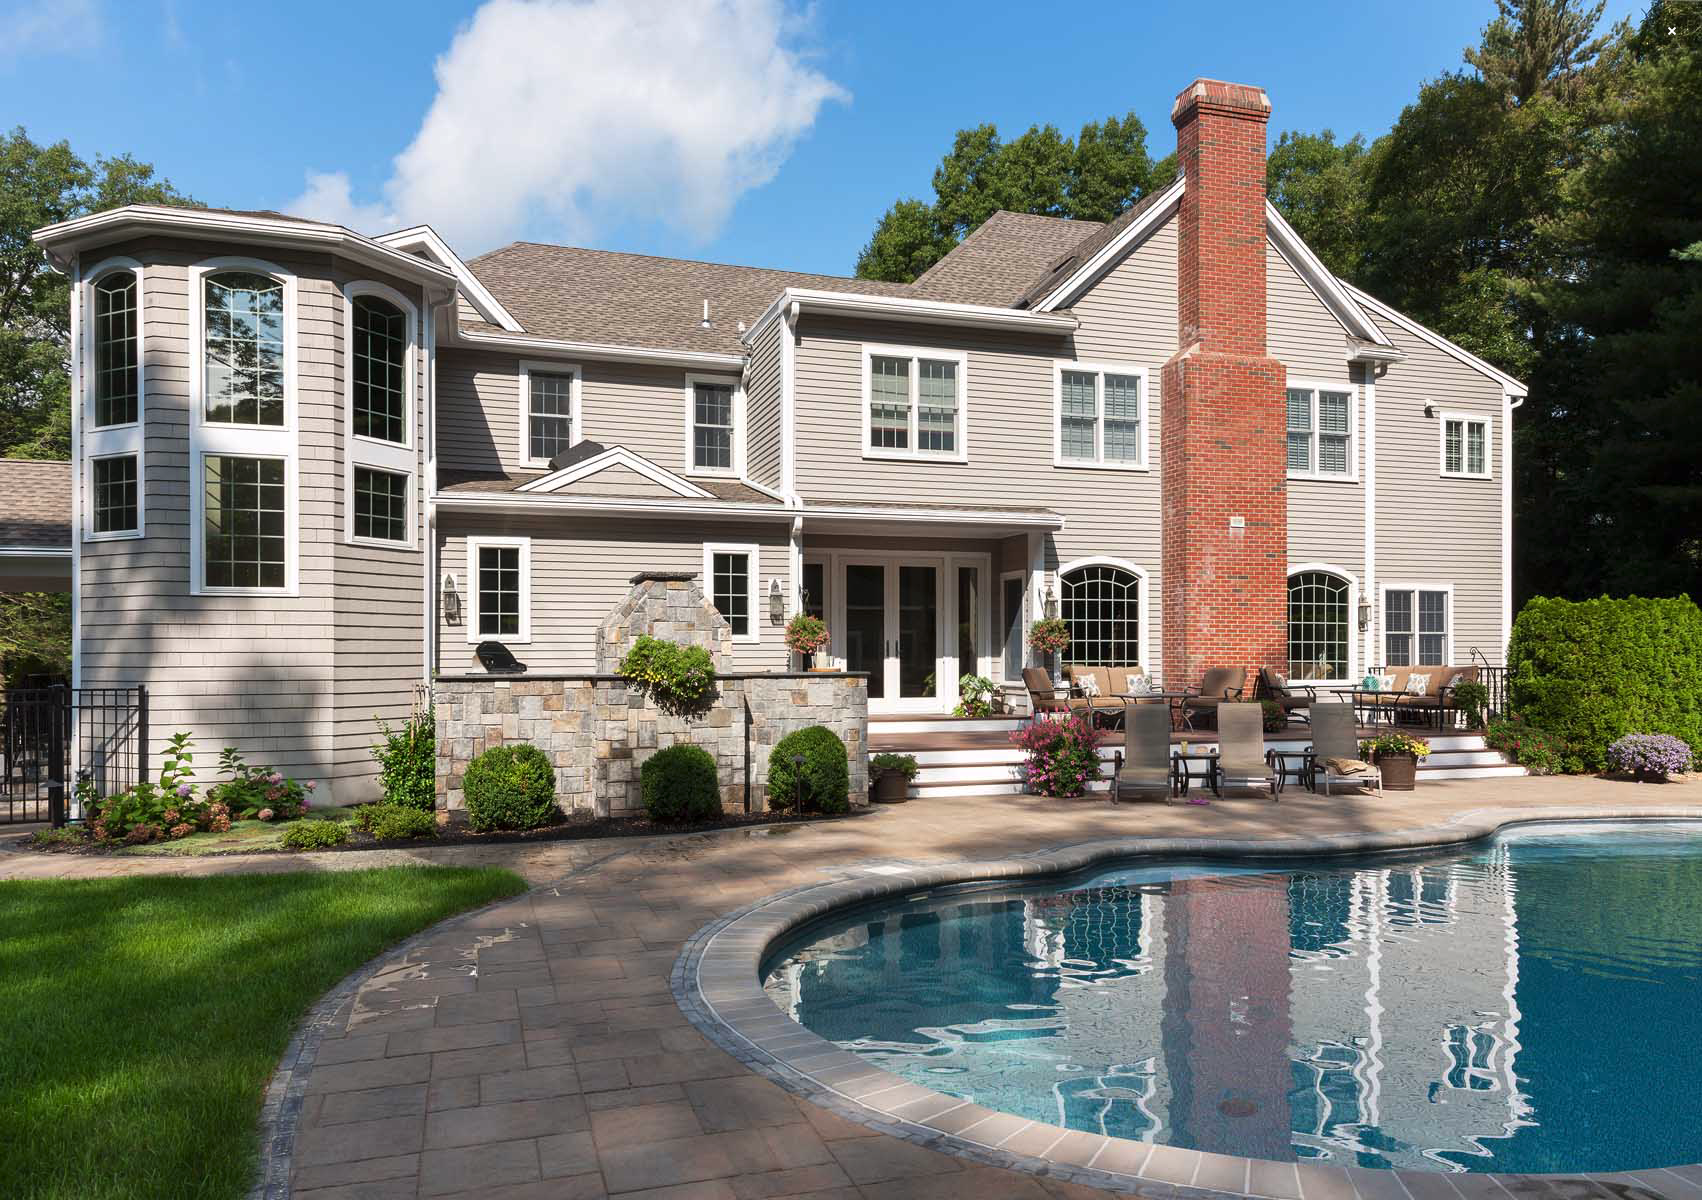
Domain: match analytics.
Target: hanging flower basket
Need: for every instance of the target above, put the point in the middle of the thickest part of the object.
(1049, 635)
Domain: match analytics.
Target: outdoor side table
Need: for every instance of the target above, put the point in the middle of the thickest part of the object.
(1185, 772)
(1292, 764)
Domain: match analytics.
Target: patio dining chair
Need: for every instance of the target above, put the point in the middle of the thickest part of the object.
(1219, 685)
(1241, 757)
(1144, 767)
(1043, 697)
(1335, 750)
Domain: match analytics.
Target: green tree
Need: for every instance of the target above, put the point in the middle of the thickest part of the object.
(1094, 177)
(40, 185)
(1318, 185)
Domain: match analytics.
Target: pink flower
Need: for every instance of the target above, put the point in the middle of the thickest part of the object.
(311, 786)
(264, 814)
(275, 777)
(306, 804)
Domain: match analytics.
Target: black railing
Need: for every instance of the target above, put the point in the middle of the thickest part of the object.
(52, 738)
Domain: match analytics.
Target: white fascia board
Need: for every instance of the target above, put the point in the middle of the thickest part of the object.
(612, 457)
(66, 237)
(597, 350)
(554, 502)
(424, 237)
(927, 312)
(910, 516)
(1109, 254)
(1511, 386)
(35, 552)
(1318, 277)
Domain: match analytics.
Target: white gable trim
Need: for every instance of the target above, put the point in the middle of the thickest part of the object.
(1318, 277)
(615, 456)
(425, 238)
(1513, 387)
(1089, 273)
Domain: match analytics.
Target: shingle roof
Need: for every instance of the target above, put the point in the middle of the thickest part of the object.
(1004, 256)
(611, 298)
(35, 504)
(1086, 248)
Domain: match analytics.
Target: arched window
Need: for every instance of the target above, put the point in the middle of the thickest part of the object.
(1102, 607)
(1317, 626)
(116, 369)
(379, 357)
(245, 349)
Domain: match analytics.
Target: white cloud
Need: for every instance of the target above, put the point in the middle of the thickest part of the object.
(50, 27)
(563, 117)
(328, 198)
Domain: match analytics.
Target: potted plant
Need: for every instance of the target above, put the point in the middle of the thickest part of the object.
(805, 636)
(1471, 698)
(975, 696)
(1276, 720)
(1049, 636)
(891, 776)
(1396, 755)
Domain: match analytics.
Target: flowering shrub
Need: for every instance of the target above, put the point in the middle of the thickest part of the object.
(259, 793)
(975, 696)
(679, 680)
(806, 634)
(1394, 742)
(1063, 755)
(1539, 752)
(1650, 755)
(1049, 635)
(151, 811)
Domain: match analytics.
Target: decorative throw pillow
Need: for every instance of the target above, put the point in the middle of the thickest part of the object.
(1279, 681)
(1089, 686)
(1457, 680)
(1417, 685)
(1386, 683)
(1140, 685)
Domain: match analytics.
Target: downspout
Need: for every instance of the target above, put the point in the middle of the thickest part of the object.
(77, 464)
(1368, 639)
(789, 457)
(1508, 404)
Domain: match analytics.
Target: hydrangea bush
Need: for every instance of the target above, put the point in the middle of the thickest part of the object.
(1063, 755)
(1650, 755)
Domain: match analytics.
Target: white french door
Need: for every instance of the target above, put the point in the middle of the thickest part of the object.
(915, 623)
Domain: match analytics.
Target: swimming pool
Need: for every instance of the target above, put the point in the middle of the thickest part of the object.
(1530, 1004)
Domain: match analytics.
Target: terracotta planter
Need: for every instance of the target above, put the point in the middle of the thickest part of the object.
(891, 787)
(1400, 771)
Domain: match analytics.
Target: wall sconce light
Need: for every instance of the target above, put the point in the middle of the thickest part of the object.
(1430, 410)
(776, 603)
(1364, 613)
(1051, 599)
(451, 600)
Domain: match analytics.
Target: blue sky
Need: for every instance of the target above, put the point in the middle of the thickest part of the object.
(737, 130)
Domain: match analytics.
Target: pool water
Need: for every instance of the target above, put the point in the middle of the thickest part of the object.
(1530, 1004)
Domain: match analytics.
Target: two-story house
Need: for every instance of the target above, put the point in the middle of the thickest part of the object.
(315, 467)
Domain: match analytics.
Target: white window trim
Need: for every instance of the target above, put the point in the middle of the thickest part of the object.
(872, 351)
(1383, 619)
(474, 545)
(1099, 370)
(737, 470)
(1143, 640)
(575, 391)
(753, 582)
(112, 441)
(242, 441)
(1022, 626)
(398, 458)
(1351, 475)
(1354, 591)
(1488, 423)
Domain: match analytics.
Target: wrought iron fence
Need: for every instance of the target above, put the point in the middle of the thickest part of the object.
(51, 738)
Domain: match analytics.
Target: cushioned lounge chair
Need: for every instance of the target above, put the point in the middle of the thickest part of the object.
(1335, 750)
(1217, 685)
(1241, 757)
(1144, 766)
(1043, 697)
(1284, 692)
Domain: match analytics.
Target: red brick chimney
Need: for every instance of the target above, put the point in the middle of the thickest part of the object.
(1224, 451)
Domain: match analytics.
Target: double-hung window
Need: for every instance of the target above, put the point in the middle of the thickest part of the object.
(914, 403)
(731, 575)
(1320, 431)
(712, 433)
(1416, 625)
(1100, 416)
(243, 433)
(379, 325)
(499, 586)
(1465, 446)
(112, 401)
(549, 411)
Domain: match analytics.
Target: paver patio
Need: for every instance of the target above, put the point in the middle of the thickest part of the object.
(535, 1049)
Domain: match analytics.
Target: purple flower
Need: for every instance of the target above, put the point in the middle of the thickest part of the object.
(184, 790)
(1650, 754)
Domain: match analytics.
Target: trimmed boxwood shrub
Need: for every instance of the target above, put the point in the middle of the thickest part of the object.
(391, 822)
(312, 835)
(1591, 672)
(826, 774)
(509, 787)
(679, 784)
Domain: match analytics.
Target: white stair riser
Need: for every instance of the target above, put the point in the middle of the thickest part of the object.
(880, 726)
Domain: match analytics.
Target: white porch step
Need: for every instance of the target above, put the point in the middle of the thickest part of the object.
(923, 724)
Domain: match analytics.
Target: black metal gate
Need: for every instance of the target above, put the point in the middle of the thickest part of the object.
(53, 737)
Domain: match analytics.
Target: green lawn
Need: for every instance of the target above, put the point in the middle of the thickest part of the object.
(141, 1018)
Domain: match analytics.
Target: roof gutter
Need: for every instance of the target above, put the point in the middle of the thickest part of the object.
(597, 350)
(934, 516)
(536, 502)
(905, 308)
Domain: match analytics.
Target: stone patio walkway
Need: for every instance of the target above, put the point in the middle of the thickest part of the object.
(535, 1050)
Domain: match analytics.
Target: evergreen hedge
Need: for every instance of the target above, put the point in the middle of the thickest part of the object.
(679, 783)
(509, 787)
(1590, 672)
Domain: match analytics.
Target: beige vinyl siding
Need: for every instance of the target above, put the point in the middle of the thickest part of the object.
(1432, 528)
(291, 681)
(764, 417)
(1130, 314)
(582, 567)
(1326, 518)
(478, 411)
